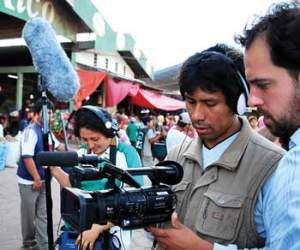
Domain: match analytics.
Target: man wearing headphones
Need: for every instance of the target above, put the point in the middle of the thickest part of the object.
(95, 127)
(218, 199)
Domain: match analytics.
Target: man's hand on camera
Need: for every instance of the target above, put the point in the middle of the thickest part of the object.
(179, 237)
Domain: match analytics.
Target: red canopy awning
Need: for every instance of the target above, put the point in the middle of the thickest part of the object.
(89, 81)
(117, 90)
(153, 100)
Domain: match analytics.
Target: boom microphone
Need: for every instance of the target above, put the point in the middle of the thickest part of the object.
(50, 60)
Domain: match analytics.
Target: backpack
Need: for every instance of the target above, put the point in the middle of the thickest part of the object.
(140, 139)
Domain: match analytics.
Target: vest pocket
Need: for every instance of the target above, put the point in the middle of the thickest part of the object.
(219, 214)
(180, 191)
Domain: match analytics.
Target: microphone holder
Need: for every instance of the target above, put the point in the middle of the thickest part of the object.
(65, 132)
(46, 132)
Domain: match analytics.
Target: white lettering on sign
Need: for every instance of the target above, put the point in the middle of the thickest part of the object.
(47, 9)
(29, 9)
(21, 6)
(99, 24)
(8, 4)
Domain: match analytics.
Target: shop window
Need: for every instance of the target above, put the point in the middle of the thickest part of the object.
(95, 60)
(106, 63)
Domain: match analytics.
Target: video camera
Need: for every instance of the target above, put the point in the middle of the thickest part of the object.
(129, 208)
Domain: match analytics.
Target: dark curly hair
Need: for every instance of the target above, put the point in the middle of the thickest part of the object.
(214, 70)
(233, 53)
(85, 118)
(280, 26)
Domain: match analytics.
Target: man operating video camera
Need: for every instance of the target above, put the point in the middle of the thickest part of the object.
(226, 168)
(95, 127)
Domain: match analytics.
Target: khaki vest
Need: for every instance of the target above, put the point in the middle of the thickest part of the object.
(218, 205)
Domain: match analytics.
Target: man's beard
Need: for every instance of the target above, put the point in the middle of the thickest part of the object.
(289, 122)
(282, 128)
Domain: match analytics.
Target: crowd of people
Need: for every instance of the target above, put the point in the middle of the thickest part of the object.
(113, 137)
(240, 187)
(146, 131)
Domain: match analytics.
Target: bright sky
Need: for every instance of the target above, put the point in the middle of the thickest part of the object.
(169, 31)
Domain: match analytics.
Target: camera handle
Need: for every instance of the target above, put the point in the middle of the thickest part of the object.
(112, 184)
(154, 182)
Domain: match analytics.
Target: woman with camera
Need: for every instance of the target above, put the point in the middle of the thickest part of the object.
(98, 132)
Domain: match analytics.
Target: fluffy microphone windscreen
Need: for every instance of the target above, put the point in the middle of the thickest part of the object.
(50, 60)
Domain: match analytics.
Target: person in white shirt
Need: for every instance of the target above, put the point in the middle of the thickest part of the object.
(31, 181)
(150, 137)
(178, 133)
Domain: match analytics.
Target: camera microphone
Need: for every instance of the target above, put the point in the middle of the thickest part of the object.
(168, 172)
(65, 159)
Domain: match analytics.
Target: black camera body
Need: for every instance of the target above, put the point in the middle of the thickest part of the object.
(130, 208)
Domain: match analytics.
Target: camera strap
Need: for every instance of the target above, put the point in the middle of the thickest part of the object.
(113, 152)
(112, 158)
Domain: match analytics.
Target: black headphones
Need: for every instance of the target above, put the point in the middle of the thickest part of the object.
(110, 124)
(241, 102)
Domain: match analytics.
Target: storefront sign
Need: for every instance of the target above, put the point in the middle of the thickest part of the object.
(63, 21)
(26, 9)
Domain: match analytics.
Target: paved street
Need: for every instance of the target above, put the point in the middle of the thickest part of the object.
(10, 229)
